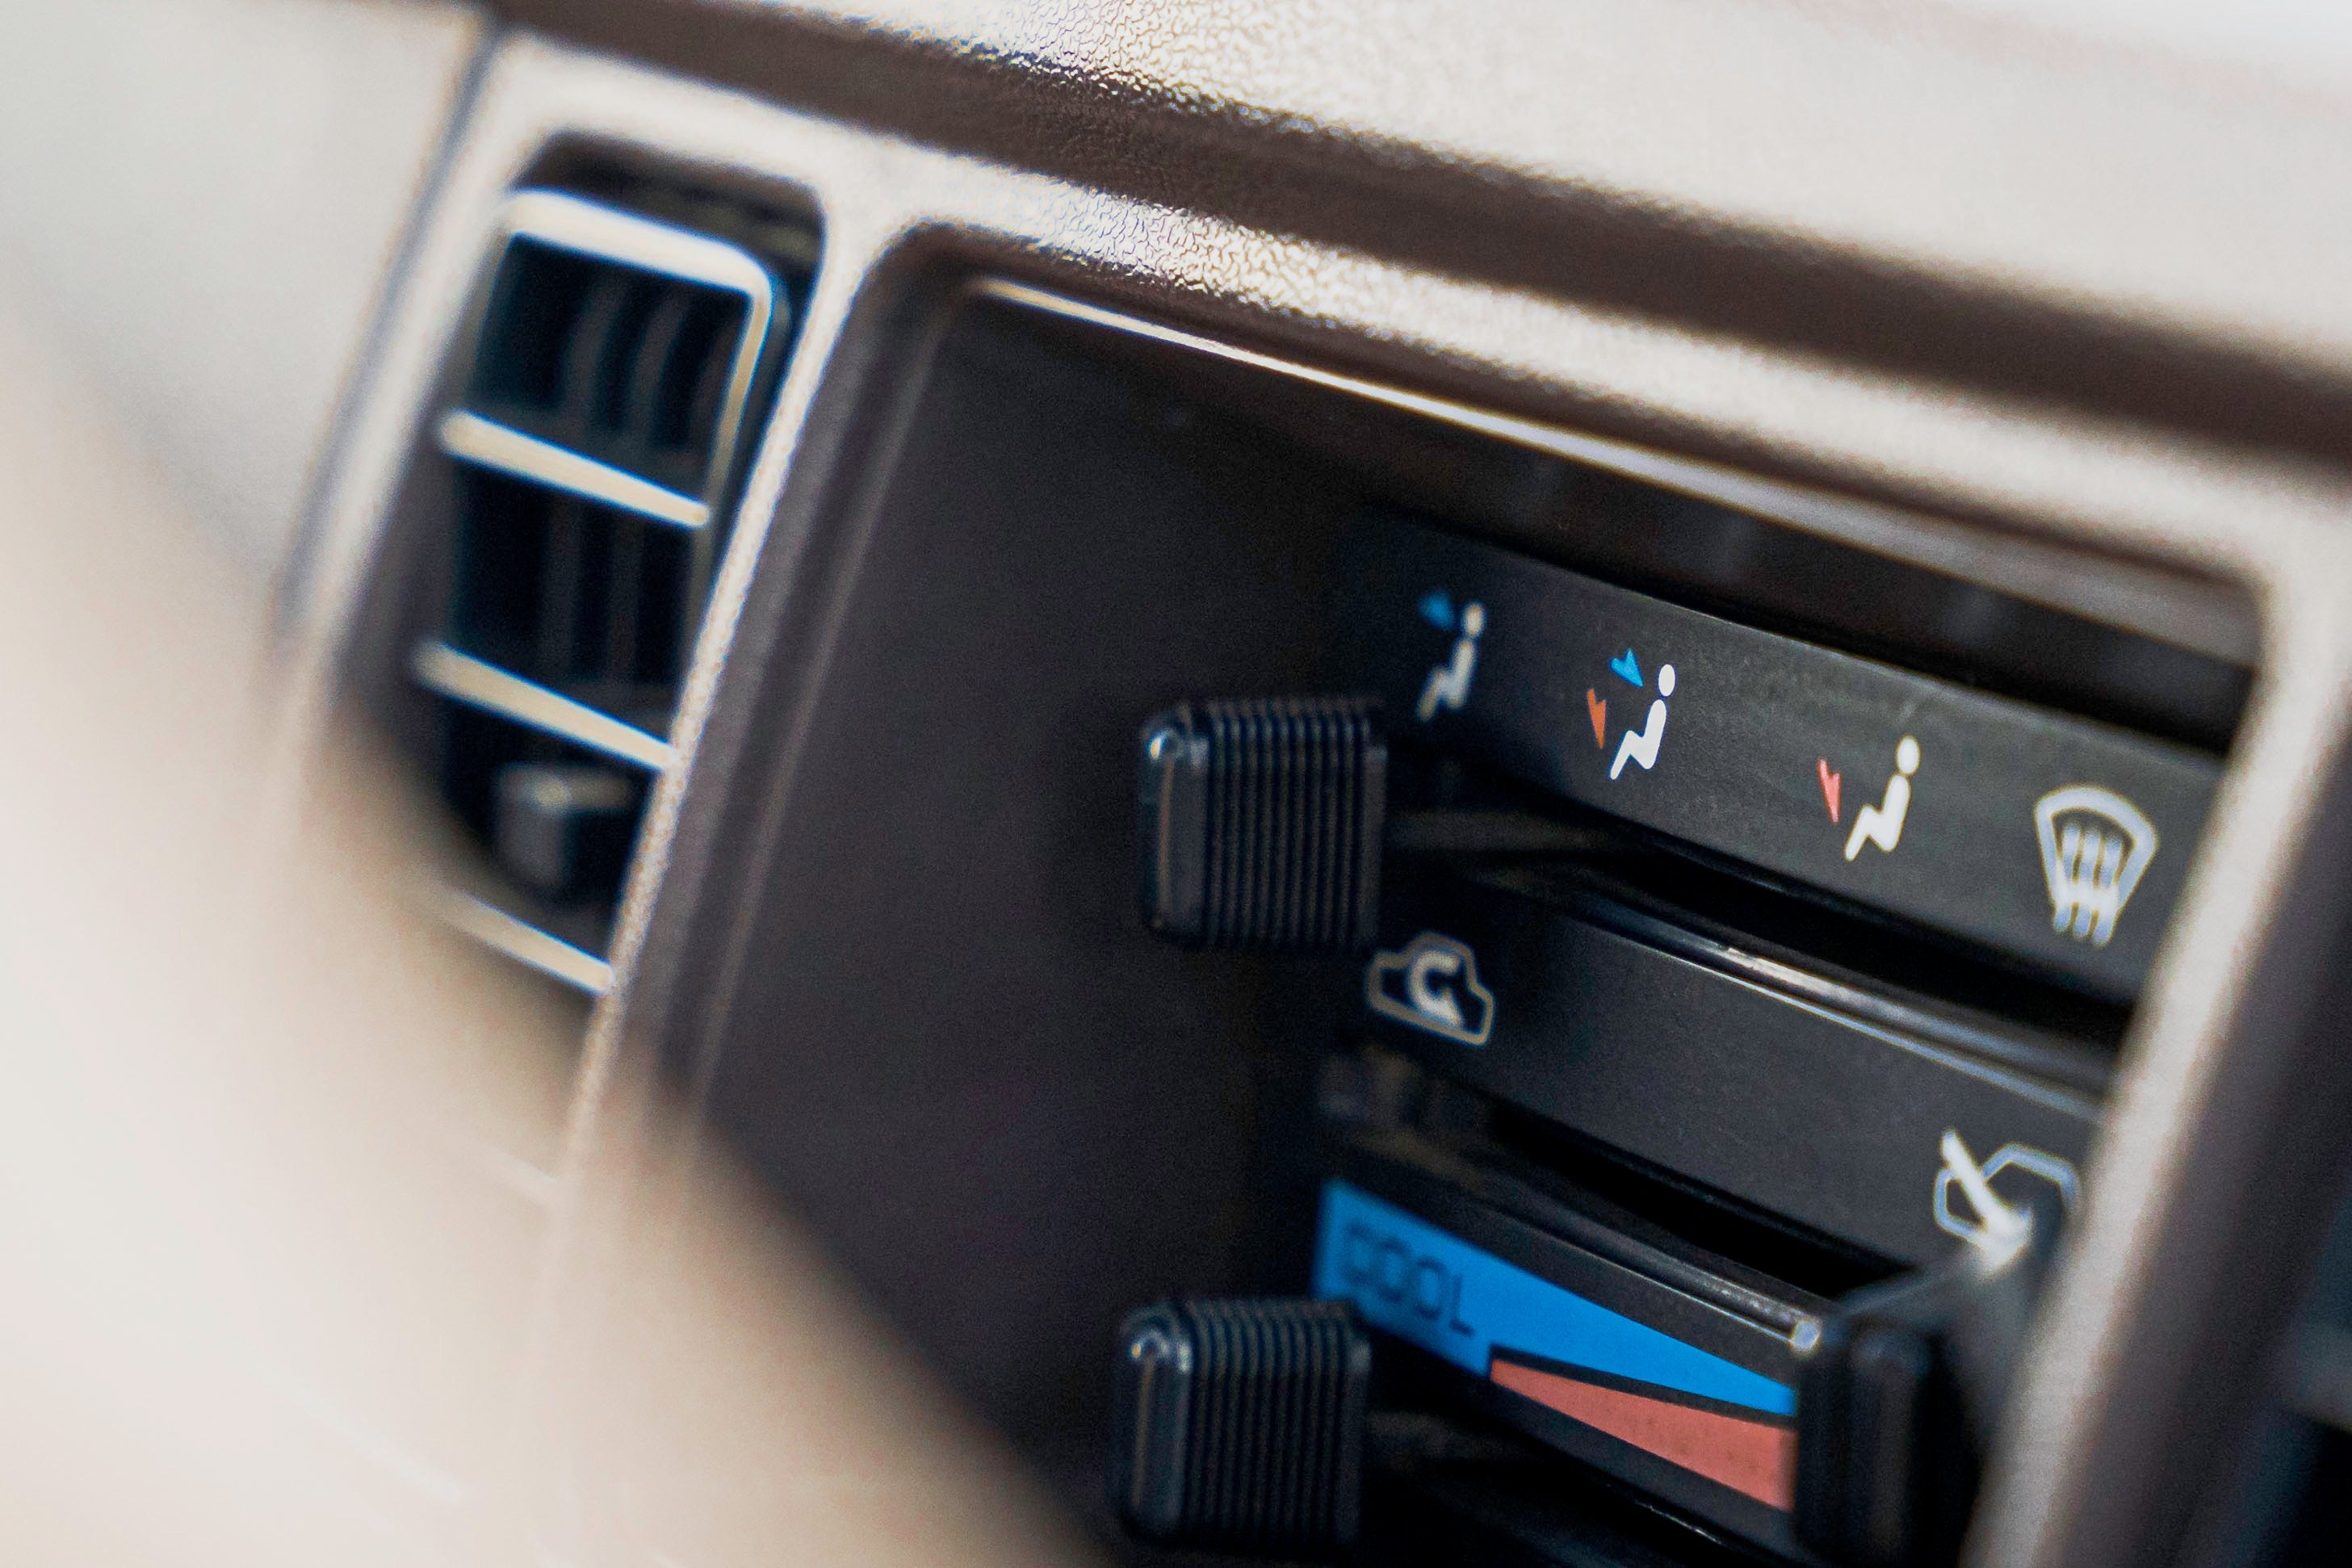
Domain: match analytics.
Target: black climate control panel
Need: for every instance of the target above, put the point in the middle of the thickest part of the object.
(2057, 840)
(1664, 1044)
(1762, 999)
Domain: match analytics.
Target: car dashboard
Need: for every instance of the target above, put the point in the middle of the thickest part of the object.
(1560, 784)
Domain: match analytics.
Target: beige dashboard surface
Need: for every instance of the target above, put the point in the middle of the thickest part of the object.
(2158, 164)
(237, 1061)
(200, 200)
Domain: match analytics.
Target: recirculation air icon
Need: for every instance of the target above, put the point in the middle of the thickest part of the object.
(1432, 983)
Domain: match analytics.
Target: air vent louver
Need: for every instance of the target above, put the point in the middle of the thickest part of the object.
(593, 440)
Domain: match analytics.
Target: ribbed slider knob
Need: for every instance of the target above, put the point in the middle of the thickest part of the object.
(1259, 824)
(1240, 1424)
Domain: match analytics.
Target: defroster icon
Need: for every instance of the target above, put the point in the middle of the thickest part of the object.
(2095, 847)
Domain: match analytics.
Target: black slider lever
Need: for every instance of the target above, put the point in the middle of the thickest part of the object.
(1239, 1424)
(1897, 1400)
(1260, 824)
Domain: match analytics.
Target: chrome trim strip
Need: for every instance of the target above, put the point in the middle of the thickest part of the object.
(523, 942)
(465, 679)
(569, 222)
(474, 439)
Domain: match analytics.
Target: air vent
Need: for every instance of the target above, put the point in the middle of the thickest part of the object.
(592, 443)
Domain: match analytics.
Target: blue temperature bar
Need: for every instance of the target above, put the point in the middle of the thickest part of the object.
(1449, 1298)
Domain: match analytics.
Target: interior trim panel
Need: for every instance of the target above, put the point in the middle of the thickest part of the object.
(1073, 426)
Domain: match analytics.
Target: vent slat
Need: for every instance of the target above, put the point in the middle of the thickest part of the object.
(594, 438)
(526, 943)
(461, 677)
(475, 439)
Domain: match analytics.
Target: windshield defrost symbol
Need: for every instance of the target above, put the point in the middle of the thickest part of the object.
(2095, 847)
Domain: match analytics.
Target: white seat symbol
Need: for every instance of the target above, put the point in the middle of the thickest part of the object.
(1883, 824)
(1449, 683)
(1642, 747)
(2095, 845)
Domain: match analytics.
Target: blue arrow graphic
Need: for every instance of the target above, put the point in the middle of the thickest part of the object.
(1626, 666)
